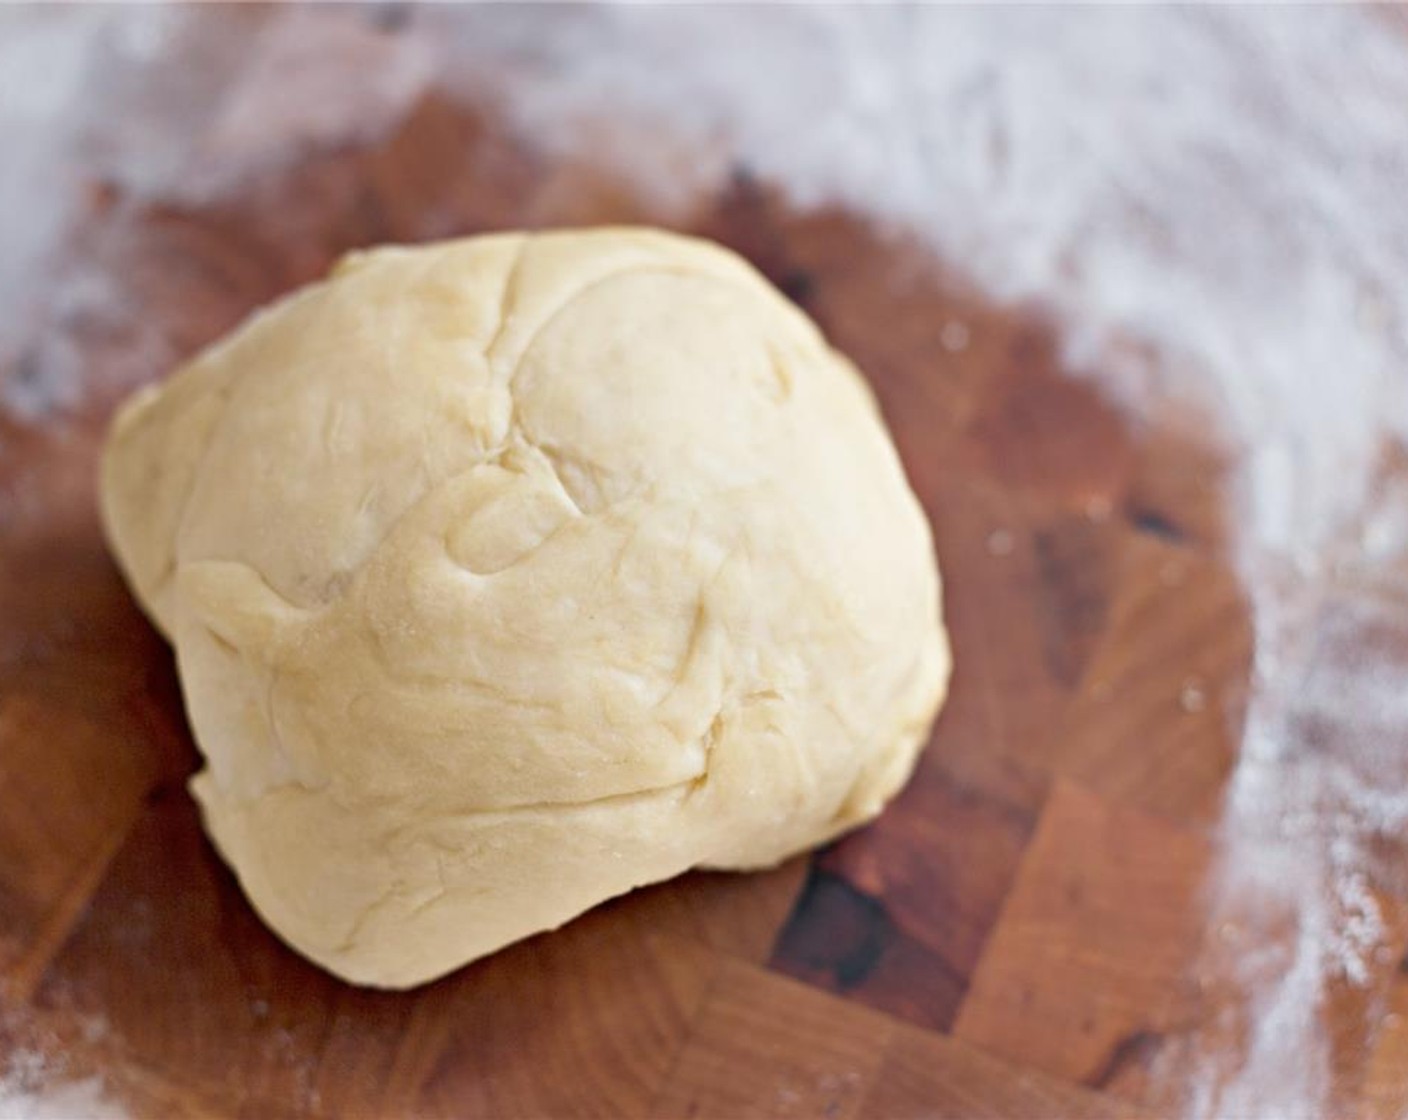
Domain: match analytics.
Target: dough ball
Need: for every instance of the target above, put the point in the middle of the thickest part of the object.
(508, 574)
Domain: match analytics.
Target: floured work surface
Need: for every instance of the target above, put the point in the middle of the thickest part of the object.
(1153, 858)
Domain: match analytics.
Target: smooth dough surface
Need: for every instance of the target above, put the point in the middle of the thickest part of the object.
(508, 574)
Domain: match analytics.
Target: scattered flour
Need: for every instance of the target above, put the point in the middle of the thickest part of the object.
(44, 61)
(34, 1086)
(161, 100)
(1225, 187)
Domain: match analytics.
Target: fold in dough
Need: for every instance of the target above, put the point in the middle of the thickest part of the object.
(508, 574)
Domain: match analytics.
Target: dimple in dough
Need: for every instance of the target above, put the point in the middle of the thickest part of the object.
(511, 573)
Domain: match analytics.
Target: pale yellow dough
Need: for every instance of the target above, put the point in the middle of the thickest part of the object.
(508, 574)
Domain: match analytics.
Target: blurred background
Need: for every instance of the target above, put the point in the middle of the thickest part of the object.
(1132, 288)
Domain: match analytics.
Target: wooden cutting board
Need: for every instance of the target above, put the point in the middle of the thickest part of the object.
(1024, 933)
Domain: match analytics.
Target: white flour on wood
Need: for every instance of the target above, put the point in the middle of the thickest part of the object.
(1225, 188)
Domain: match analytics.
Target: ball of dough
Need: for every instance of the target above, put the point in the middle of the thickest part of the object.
(508, 574)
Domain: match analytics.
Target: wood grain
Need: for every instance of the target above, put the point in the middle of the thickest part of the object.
(65, 813)
(1028, 930)
(763, 1046)
(1086, 969)
(934, 1077)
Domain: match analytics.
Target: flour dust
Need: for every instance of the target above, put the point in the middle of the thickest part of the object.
(1224, 188)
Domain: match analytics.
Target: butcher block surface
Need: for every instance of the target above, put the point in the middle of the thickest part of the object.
(1033, 929)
